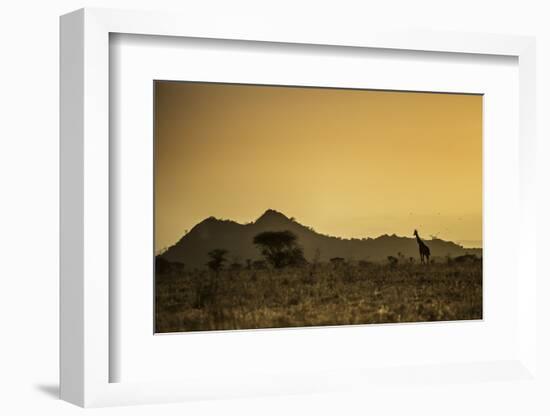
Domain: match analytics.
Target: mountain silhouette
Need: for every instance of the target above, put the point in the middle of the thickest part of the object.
(192, 249)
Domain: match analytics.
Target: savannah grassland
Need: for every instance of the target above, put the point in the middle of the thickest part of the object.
(317, 294)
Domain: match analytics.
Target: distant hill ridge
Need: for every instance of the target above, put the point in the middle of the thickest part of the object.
(192, 249)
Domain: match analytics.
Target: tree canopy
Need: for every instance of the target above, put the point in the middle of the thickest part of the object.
(280, 248)
(217, 259)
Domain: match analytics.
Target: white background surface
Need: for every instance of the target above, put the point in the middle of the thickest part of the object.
(29, 213)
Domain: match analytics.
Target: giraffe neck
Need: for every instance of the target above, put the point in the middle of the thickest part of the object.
(418, 240)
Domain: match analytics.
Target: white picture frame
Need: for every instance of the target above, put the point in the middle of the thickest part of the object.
(85, 352)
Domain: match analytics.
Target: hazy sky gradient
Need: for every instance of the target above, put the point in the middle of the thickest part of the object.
(349, 163)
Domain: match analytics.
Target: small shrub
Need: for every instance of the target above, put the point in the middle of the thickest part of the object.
(217, 259)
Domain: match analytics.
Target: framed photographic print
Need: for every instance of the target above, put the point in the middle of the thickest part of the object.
(271, 212)
(361, 165)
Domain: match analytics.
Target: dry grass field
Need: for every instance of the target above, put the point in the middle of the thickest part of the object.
(316, 295)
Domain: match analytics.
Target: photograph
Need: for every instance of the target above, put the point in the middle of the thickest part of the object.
(280, 206)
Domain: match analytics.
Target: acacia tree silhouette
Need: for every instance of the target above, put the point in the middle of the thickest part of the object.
(217, 259)
(280, 248)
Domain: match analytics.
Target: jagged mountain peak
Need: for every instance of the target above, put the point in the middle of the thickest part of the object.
(272, 215)
(213, 233)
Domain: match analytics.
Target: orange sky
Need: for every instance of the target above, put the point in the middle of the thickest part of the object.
(349, 163)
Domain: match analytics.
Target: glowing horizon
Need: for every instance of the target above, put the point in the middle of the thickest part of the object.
(349, 163)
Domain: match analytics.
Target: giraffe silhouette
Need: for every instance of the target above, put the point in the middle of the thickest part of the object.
(422, 248)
